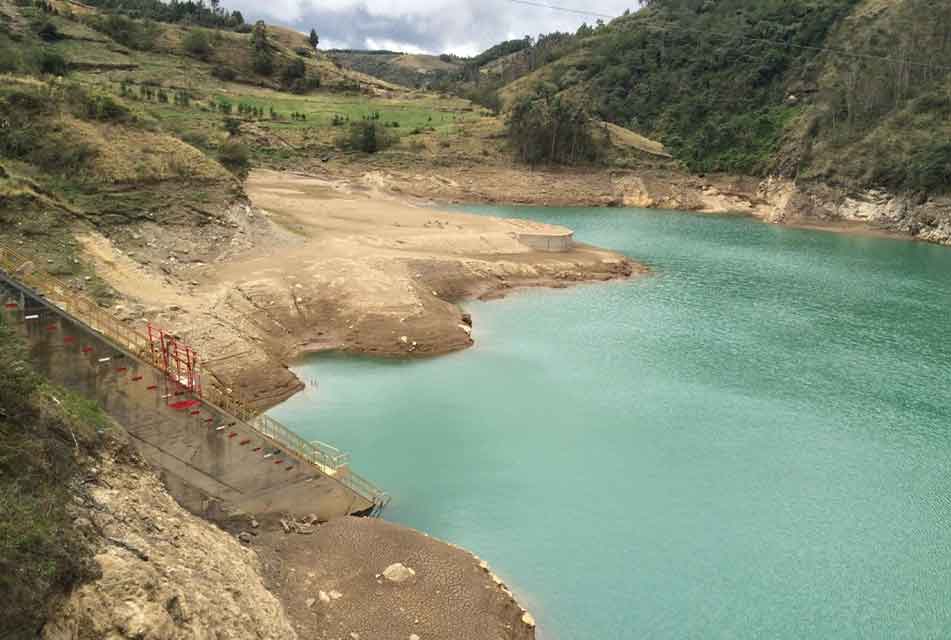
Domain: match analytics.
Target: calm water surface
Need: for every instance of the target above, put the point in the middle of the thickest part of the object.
(753, 442)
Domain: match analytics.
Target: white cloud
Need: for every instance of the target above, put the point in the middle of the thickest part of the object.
(464, 27)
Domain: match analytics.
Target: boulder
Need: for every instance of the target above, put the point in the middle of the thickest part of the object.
(398, 573)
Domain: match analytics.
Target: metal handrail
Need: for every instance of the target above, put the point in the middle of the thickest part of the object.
(330, 460)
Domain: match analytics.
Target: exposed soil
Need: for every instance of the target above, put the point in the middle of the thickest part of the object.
(322, 263)
(332, 585)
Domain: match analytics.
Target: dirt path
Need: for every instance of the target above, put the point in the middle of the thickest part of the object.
(329, 264)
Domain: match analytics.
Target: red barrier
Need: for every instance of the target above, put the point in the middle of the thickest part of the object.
(152, 387)
(244, 442)
(69, 339)
(12, 305)
(122, 369)
(137, 378)
(195, 413)
(232, 435)
(184, 404)
(88, 349)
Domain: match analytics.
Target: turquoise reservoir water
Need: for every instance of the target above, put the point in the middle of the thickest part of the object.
(753, 442)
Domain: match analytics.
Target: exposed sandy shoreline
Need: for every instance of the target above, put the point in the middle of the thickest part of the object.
(317, 264)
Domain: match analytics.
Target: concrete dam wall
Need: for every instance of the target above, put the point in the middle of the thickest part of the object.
(202, 451)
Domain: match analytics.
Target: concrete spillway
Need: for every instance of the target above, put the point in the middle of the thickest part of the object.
(202, 451)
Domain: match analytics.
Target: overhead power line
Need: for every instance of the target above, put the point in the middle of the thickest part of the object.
(738, 36)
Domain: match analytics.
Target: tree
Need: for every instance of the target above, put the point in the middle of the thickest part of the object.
(366, 136)
(546, 127)
(314, 38)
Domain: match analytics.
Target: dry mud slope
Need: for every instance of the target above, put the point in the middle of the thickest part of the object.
(321, 264)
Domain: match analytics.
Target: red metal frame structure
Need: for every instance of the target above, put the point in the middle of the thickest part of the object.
(179, 362)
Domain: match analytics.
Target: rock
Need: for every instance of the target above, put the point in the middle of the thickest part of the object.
(404, 339)
(323, 597)
(467, 319)
(398, 573)
(305, 529)
(255, 524)
(244, 537)
(335, 595)
(413, 636)
(528, 619)
(285, 526)
(310, 602)
(354, 635)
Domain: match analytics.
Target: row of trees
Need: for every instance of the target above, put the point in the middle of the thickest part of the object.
(546, 127)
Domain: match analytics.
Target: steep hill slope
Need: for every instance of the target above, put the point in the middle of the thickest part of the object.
(850, 92)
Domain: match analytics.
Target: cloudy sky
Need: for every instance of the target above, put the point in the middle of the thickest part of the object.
(464, 27)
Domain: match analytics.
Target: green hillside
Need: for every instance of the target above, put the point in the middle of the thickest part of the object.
(852, 92)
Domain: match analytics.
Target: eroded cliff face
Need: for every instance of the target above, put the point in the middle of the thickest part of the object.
(923, 218)
(165, 574)
(783, 201)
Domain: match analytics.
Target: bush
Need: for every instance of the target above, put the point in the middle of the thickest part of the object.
(235, 156)
(224, 73)
(125, 31)
(366, 136)
(930, 169)
(48, 32)
(95, 106)
(196, 43)
(51, 63)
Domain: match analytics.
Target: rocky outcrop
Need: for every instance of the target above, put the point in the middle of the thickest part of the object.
(165, 574)
(923, 218)
(784, 201)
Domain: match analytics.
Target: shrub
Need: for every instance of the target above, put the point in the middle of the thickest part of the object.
(196, 43)
(235, 156)
(51, 63)
(366, 136)
(48, 32)
(930, 169)
(95, 106)
(224, 73)
(125, 31)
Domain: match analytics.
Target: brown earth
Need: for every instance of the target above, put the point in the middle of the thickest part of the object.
(332, 585)
(327, 263)
(164, 574)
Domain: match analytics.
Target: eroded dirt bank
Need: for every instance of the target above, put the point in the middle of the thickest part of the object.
(773, 200)
(322, 263)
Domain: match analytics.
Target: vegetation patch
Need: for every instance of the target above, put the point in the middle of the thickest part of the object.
(45, 433)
